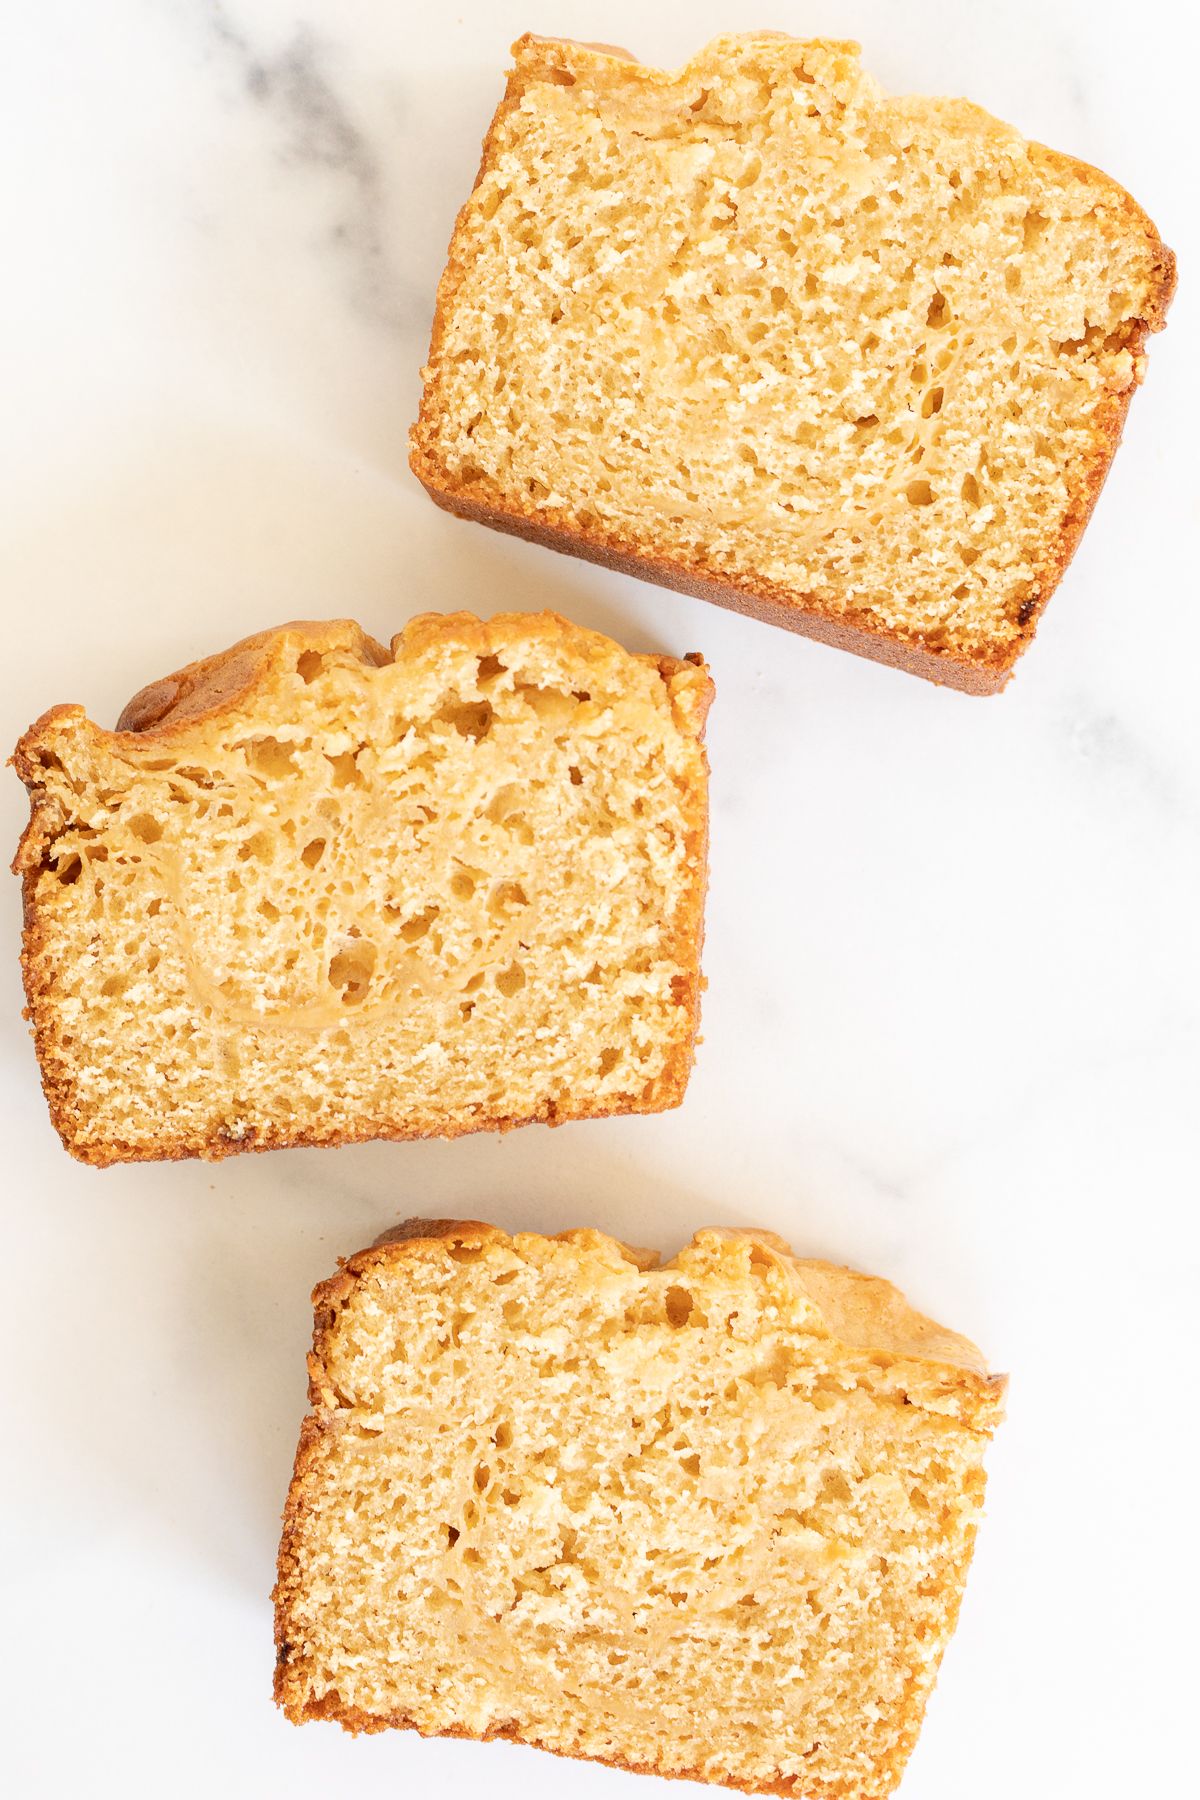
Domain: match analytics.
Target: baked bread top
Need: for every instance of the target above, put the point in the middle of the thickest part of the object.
(313, 890)
(708, 1519)
(754, 328)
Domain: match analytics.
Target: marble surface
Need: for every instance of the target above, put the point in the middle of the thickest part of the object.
(952, 1027)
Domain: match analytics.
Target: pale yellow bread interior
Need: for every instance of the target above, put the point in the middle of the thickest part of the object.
(316, 890)
(755, 328)
(708, 1519)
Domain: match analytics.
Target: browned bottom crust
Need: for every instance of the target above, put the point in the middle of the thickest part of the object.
(332, 1709)
(669, 1090)
(221, 1142)
(353, 1720)
(942, 667)
(856, 630)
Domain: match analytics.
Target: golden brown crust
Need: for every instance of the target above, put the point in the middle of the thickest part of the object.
(876, 1313)
(38, 1011)
(358, 1723)
(1111, 414)
(862, 1312)
(216, 683)
(210, 691)
(851, 628)
(859, 634)
(217, 1146)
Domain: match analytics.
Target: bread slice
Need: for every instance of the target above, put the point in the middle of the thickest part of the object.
(754, 329)
(711, 1519)
(312, 890)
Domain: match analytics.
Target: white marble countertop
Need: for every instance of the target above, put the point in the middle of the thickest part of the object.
(952, 1027)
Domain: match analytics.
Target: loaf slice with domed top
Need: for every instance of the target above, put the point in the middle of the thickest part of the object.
(853, 363)
(710, 1519)
(314, 890)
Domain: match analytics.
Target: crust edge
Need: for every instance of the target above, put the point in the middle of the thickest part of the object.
(212, 688)
(854, 630)
(418, 1236)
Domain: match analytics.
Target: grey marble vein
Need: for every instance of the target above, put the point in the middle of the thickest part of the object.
(317, 131)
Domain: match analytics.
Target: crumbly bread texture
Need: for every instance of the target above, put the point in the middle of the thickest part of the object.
(711, 1519)
(313, 890)
(852, 363)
